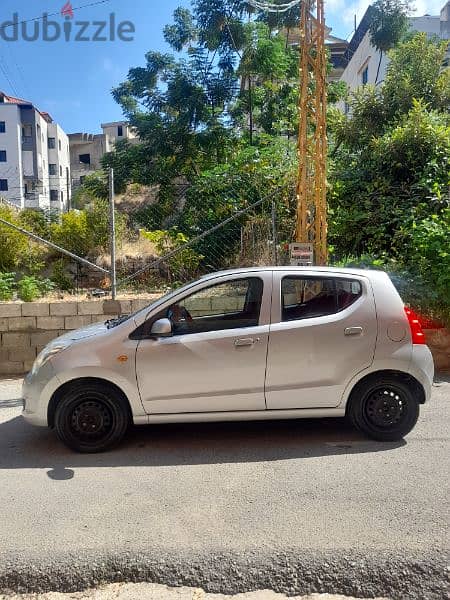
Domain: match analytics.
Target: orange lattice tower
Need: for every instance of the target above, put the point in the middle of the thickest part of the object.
(312, 139)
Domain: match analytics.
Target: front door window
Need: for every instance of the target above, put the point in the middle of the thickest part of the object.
(230, 305)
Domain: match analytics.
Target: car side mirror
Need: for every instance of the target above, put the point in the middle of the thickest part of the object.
(162, 329)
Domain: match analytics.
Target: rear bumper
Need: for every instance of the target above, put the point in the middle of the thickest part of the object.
(422, 368)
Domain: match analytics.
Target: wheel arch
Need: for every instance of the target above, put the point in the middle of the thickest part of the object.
(59, 393)
(388, 373)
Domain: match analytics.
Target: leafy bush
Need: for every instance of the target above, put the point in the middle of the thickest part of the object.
(36, 221)
(31, 288)
(378, 191)
(45, 286)
(83, 232)
(28, 289)
(184, 264)
(429, 251)
(12, 243)
(7, 286)
(72, 233)
(59, 276)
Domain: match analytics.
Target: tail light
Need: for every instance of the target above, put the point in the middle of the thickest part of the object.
(417, 334)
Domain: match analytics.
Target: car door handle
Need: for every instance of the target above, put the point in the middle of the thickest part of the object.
(239, 343)
(353, 331)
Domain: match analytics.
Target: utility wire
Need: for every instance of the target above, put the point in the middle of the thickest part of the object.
(273, 8)
(56, 13)
(12, 86)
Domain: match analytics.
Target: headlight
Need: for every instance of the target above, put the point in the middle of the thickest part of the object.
(47, 353)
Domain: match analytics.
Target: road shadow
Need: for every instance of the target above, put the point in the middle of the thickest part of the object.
(23, 446)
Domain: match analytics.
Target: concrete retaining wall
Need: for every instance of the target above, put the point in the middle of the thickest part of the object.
(439, 342)
(25, 328)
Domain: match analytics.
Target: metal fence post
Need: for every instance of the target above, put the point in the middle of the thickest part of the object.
(112, 225)
(274, 233)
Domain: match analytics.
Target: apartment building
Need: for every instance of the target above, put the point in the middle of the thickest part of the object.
(87, 149)
(362, 58)
(34, 157)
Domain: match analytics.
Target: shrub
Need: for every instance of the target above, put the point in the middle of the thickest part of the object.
(59, 277)
(429, 251)
(12, 243)
(28, 289)
(83, 232)
(184, 264)
(7, 286)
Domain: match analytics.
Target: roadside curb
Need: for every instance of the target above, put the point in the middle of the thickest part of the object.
(392, 575)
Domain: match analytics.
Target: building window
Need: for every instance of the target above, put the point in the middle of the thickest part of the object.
(2, 155)
(85, 159)
(82, 178)
(52, 169)
(62, 197)
(54, 195)
(365, 75)
(2, 127)
(60, 144)
(3, 185)
(347, 108)
(51, 143)
(120, 131)
(60, 170)
(27, 134)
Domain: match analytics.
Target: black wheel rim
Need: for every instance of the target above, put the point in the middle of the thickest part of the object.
(91, 420)
(385, 407)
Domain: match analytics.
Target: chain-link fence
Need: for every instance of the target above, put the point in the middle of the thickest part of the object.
(163, 241)
(195, 240)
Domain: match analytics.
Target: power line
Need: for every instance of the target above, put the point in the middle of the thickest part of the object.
(55, 13)
(273, 8)
(3, 70)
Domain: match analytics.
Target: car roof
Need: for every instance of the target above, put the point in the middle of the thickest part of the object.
(369, 273)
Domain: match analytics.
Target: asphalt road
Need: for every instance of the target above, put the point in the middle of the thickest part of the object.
(296, 507)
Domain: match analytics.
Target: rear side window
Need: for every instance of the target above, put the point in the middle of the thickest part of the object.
(310, 297)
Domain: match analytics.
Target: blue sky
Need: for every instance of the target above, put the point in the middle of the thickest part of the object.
(72, 80)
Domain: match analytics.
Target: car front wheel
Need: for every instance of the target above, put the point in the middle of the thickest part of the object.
(384, 408)
(92, 418)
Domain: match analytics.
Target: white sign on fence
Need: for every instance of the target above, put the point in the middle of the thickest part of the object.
(302, 255)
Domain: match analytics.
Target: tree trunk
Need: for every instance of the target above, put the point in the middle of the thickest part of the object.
(250, 98)
(379, 67)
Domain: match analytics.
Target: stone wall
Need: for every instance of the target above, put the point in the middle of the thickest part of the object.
(25, 328)
(439, 342)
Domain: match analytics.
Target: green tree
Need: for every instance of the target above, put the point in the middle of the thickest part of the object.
(389, 22)
(416, 72)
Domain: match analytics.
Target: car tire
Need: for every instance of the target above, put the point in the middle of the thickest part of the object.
(92, 417)
(384, 408)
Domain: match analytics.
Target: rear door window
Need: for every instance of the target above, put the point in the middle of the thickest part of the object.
(311, 297)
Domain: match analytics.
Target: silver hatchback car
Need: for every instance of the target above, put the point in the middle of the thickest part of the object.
(257, 343)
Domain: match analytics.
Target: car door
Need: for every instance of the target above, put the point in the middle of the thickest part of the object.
(216, 359)
(323, 332)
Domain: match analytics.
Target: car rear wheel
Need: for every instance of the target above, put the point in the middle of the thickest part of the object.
(384, 408)
(92, 418)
